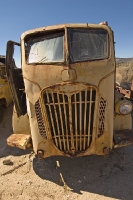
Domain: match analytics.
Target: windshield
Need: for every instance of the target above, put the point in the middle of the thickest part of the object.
(44, 49)
(88, 44)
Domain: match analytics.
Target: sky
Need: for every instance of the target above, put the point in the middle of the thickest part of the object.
(18, 16)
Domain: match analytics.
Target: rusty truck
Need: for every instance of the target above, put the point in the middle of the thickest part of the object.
(65, 101)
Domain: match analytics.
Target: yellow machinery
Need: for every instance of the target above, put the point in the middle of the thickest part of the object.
(64, 94)
(5, 93)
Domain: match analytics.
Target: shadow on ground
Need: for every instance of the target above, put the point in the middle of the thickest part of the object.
(96, 174)
(5, 132)
(111, 176)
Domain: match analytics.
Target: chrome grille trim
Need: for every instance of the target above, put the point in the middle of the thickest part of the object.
(70, 117)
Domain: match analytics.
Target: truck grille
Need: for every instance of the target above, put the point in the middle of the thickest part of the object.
(70, 117)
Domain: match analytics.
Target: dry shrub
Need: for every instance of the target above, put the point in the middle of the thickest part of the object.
(124, 70)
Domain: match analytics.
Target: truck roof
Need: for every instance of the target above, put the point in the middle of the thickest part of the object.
(61, 26)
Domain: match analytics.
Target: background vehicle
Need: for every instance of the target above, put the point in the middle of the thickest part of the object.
(64, 94)
(5, 93)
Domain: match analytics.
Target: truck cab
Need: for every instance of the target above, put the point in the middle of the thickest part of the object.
(65, 102)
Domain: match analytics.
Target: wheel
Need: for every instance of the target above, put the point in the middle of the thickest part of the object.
(1, 113)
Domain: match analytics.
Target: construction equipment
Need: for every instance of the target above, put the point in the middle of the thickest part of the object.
(5, 93)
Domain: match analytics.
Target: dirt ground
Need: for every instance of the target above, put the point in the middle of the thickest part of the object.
(91, 177)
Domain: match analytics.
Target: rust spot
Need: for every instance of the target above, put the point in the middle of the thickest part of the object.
(73, 151)
(40, 154)
(32, 82)
(106, 151)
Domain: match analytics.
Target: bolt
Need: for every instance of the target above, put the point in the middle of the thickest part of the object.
(106, 151)
(40, 154)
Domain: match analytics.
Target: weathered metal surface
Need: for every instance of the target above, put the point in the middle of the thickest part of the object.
(40, 120)
(71, 105)
(70, 115)
(123, 138)
(102, 107)
(5, 93)
(18, 140)
(61, 26)
(20, 124)
(40, 154)
(15, 79)
(118, 96)
(68, 75)
(126, 89)
(106, 151)
(122, 122)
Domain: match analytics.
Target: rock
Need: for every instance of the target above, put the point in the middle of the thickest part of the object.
(7, 162)
(57, 164)
(29, 182)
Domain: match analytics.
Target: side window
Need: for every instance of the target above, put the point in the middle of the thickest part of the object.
(17, 57)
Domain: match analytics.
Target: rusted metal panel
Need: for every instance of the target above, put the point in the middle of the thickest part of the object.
(18, 140)
(122, 122)
(61, 26)
(70, 115)
(123, 138)
(101, 125)
(5, 93)
(20, 124)
(15, 78)
(68, 75)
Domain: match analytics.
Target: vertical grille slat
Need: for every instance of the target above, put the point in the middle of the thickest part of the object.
(49, 110)
(80, 116)
(61, 118)
(70, 117)
(56, 115)
(66, 122)
(76, 128)
(72, 146)
(85, 130)
(90, 104)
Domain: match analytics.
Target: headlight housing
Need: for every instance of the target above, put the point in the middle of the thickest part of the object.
(123, 107)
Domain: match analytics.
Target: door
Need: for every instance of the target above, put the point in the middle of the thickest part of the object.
(15, 79)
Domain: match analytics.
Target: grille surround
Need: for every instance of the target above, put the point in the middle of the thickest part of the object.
(70, 116)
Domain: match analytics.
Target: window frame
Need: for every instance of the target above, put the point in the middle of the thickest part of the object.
(47, 34)
(84, 28)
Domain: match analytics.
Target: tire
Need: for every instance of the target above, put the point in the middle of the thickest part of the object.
(1, 113)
